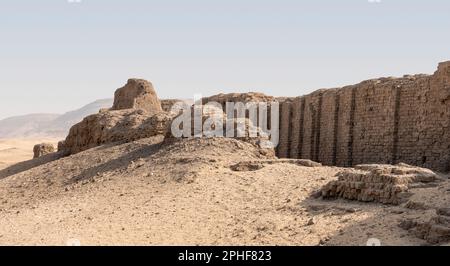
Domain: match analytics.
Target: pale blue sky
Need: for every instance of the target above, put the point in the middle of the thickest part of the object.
(56, 56)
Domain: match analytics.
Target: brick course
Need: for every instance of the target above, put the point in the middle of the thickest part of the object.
(386, 120)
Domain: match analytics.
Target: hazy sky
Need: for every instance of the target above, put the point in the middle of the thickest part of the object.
(56, 55)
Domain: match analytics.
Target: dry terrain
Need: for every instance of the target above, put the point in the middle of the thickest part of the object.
(17, 150)
(123, 177)
(190, 192)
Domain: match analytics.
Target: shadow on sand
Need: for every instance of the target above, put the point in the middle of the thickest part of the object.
(381, 227)
(27, 165)
(119, 163)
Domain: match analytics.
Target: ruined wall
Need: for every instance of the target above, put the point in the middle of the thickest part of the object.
(373, 129)
(435, 136)
(326, 149)
(344, 130)
(387, 120)
(285, 129)
(411, 119)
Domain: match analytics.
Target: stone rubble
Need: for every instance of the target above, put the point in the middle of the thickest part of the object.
(43, 149)
(387, 184)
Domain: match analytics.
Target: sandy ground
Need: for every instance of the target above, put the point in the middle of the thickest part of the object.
(186, 193)
(17, 150)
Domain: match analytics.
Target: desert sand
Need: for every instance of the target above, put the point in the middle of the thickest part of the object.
(19, 149)
(186, 193)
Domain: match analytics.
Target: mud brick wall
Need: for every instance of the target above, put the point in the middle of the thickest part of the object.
(296, 122)
(436, 133)
(411, 120)
(387, 120)
(327, 127)
(285, 129)
(373, 130)
(344, 129)
(310, 126)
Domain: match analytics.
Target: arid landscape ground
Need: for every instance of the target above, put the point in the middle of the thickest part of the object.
(186, 193)
(122, 177)
(17, 150)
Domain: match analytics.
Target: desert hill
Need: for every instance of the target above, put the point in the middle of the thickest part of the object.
(47, 125)
(24, 126)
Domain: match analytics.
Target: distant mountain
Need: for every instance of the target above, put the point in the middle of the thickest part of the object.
(60, 126)
(19, 126)
(48, 125)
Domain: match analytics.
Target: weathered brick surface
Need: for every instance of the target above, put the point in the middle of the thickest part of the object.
(344, 126)
(296, 113)
(411, 119)
(285, 129)
(386, 120)
(378, 183)
(326, 151)
(310, 126)
(374, 122)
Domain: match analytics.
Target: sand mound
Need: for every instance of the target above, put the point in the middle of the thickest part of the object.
(183, 192)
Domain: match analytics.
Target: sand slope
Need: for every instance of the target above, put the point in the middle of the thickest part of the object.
(185, 193)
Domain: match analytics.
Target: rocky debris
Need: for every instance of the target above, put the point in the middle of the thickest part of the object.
(137, 113)
(300, 162)
(115, 126)
(435, 231)
(410, 173)
(444, 211)
(42, 149)
(192, 154)
(137, 94)
(257, 165)
(157, 124)
(222, 99)
(311, 222)
(168, 104)
(247, 166)
(214, 123)
(387, 184)
(414, 205)
(407, 224)
(61, 145)
(251, 97)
